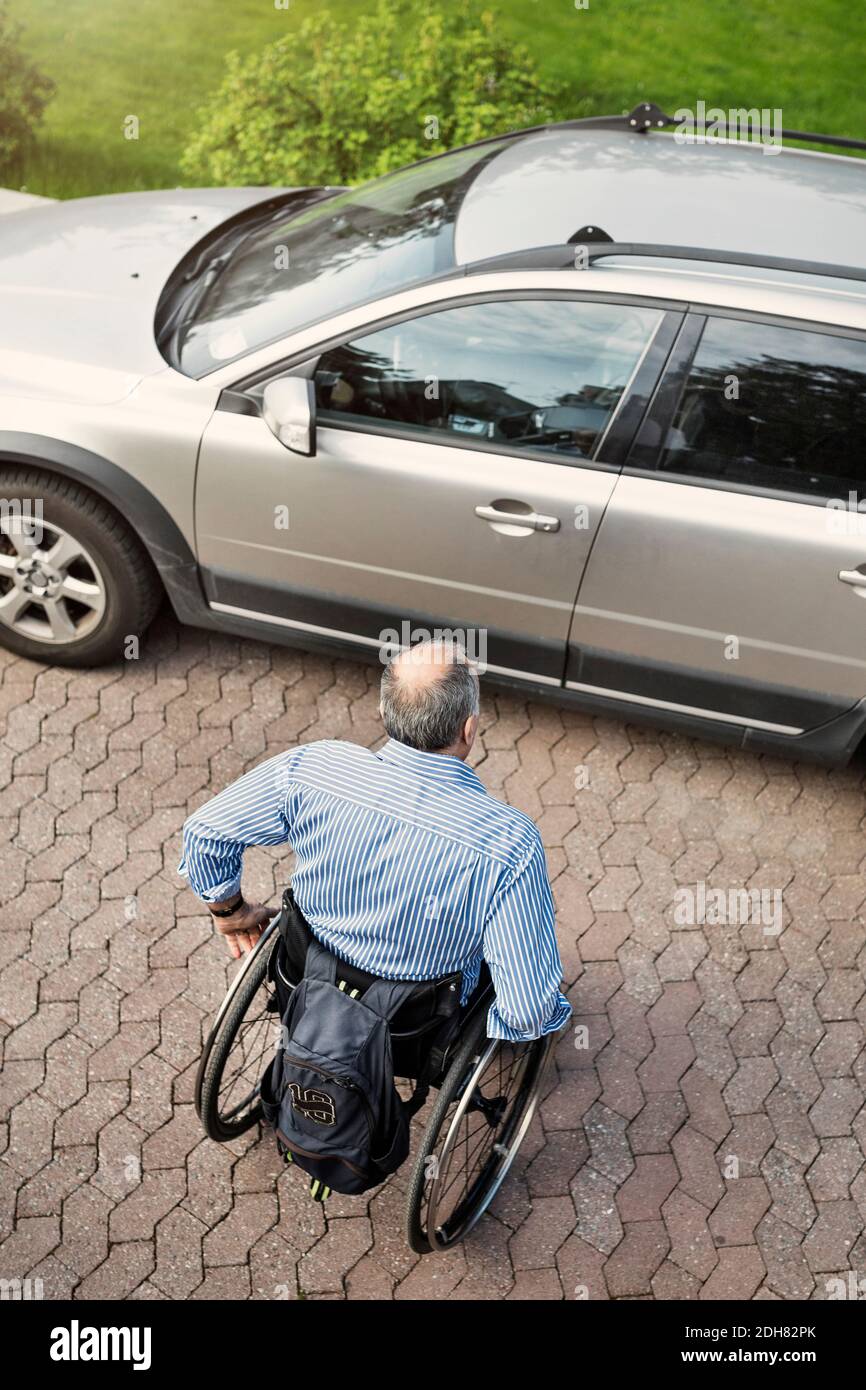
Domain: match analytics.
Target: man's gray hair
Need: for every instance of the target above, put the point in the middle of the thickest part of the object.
(429, 714)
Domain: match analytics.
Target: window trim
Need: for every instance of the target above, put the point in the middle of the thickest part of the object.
(672, 383)
(826, 330)
(616, 436)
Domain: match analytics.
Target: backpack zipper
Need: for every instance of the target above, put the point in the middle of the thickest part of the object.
(334, 1158)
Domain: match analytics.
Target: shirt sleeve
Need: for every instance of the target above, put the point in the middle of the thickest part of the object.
(520, 949)
(252, 811)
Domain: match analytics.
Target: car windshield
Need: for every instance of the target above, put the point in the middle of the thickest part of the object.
(361, 244)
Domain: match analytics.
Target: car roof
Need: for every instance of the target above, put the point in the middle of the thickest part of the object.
(727, 195)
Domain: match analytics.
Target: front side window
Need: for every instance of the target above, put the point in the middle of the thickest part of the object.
(526, 374)
(780, 408)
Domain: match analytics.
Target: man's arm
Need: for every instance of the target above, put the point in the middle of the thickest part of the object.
(521, 951)
(252, 811)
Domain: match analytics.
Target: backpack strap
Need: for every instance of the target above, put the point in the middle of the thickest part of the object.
(320, 964)
(384, 997)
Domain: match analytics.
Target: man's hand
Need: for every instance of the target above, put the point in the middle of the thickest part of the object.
(243, 929)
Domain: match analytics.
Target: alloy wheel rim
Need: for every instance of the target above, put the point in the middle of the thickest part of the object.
(51, 588)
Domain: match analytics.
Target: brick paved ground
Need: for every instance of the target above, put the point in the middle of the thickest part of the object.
(705, 1045)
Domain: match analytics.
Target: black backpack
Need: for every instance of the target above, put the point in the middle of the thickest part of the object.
(329, 1092)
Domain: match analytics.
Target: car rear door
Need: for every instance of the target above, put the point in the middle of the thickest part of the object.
(728, 577)
(464, 460)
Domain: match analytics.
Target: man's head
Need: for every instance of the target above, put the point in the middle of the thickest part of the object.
(429, 698)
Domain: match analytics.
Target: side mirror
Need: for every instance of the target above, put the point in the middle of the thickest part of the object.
(289, 411)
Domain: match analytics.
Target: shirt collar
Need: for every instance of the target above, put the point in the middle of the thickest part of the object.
(440, 765)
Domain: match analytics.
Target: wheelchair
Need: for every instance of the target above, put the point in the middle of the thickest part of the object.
(484, 1092)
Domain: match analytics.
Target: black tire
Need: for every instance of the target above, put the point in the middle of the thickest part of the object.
(224, 1119)
(131, 584)
(472, 1064)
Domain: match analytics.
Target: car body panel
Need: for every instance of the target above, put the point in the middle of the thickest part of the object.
(733, 196)
(80, 281)
(739, 589)
(389, 524)
(13, 200)
(152, 434)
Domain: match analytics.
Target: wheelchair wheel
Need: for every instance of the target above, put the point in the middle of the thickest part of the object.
(482, 1112)
(243, 1038)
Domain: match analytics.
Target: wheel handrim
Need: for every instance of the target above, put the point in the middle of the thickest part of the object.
(477, 1154)
(51, 588)
(252, 1046)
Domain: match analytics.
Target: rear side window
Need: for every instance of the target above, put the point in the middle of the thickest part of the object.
(779, 408)
(524, 374)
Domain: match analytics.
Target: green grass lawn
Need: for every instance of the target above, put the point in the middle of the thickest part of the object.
(158, 60)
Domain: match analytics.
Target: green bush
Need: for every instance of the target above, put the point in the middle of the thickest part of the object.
(24, 94)
(330, 105)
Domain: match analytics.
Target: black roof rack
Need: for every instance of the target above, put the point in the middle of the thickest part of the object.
(563, 258)
(647, 116)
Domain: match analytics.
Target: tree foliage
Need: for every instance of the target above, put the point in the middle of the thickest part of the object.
(24, 93)
(327, 105)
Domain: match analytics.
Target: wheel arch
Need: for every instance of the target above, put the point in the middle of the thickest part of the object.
(155, 528)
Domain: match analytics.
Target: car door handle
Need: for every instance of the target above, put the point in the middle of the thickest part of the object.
(533, 519)
(853, 577)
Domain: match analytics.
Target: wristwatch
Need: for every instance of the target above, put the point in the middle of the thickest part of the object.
(228, 911)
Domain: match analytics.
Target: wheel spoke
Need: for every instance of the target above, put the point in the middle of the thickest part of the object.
(486, 1139)
(12, 605)
(8, 563)
(248, 1055)
(481, 1134)
(64, 552)
(464, 1173)
(62, 626)
(242, 1073)
(88, 594)
(245, 1062)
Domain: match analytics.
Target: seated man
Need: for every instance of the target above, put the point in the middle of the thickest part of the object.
(406, 866)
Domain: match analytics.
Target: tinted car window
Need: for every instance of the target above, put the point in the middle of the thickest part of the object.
(772, 407)
(525, 374)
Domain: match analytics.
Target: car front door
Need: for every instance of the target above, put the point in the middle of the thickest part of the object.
(728, 577)
(459, 477)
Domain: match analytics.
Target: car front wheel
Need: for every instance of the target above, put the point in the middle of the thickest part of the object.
(75, 582)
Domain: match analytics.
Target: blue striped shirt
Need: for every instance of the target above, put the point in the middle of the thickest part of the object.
(405, 867)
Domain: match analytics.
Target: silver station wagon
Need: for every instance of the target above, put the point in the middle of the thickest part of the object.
(592, 391)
